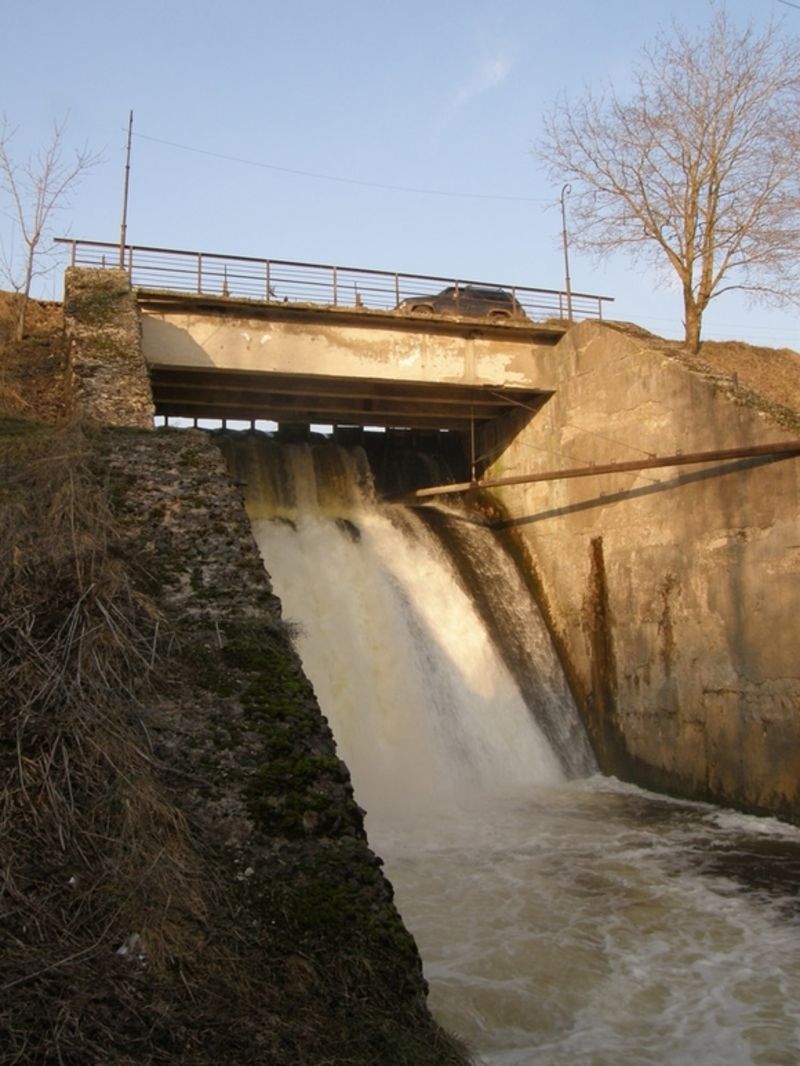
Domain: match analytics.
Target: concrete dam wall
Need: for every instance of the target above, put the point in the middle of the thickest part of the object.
(673, 592)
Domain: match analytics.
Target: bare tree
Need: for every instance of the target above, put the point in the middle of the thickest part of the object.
(36, 189)
(697, 167)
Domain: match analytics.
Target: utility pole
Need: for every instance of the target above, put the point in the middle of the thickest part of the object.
(123, 230)
(567, 188)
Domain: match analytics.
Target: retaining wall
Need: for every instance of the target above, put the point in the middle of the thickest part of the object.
(673, 592)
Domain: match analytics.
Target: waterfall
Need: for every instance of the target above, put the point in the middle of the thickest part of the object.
(439, 692)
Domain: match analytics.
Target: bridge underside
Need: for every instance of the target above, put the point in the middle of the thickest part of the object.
(309, 399)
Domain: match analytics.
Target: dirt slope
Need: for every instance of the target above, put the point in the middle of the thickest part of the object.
(773, 372)
(32, 370)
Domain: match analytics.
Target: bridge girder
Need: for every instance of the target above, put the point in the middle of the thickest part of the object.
(214, 394)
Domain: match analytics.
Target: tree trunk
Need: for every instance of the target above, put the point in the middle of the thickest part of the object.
(22, 307)
(24, 295)
(692, 320)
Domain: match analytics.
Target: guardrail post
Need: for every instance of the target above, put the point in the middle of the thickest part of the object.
(199, 272)
(269, 287)
(335, 292)
(397, 288)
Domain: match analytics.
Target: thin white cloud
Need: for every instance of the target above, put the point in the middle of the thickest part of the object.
(491, 72)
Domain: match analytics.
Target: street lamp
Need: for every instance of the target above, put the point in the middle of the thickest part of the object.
(565, 190)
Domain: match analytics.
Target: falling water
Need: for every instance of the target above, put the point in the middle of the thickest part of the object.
(562, 917)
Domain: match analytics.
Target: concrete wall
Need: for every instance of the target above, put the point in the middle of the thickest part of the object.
(673, 592)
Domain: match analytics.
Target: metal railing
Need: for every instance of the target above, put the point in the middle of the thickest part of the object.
(284, 281)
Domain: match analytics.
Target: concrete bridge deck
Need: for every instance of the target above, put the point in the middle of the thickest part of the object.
(219, 357)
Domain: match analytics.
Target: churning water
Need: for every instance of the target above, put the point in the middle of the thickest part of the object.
(563, 918)
(593, 923)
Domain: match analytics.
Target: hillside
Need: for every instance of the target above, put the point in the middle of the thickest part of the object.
(772, 372)
(32, 371)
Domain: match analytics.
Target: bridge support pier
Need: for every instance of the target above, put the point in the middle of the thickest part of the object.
(108, 375)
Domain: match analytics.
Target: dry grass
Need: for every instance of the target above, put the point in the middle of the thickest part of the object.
(32, 371)
(96, 878)
(772, 372)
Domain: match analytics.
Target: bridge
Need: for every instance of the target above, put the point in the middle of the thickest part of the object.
(236, 337)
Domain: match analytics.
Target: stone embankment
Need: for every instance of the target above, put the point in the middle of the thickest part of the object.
(252, 766)
(108, 381)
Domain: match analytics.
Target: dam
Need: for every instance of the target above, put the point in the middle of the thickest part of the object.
(563, 914)
(676, 573)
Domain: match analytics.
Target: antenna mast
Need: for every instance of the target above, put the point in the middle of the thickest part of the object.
(124, 227)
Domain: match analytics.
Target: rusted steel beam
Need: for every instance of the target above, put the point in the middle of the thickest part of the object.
(751, 451)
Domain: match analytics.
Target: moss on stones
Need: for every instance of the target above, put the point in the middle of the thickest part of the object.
(95, 297)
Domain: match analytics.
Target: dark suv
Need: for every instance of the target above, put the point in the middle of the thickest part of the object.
(471, 300)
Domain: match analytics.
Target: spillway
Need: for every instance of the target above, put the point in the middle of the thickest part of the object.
(562, 917)
(419, 679)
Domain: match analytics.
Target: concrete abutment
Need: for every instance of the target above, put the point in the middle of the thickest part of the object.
(673, 592)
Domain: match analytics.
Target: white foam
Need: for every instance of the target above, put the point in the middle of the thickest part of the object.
(423, 709)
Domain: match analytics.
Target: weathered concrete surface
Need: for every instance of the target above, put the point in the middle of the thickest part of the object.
(378, 348)
(674, 593)
(107, 374)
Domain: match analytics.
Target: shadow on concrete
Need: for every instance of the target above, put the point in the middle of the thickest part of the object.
(719, 470)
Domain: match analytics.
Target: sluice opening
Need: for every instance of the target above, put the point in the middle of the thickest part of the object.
(562, 916)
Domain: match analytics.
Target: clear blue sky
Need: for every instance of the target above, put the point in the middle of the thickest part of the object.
(426, 94)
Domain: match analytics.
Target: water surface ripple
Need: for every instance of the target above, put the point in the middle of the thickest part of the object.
(597, 924)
